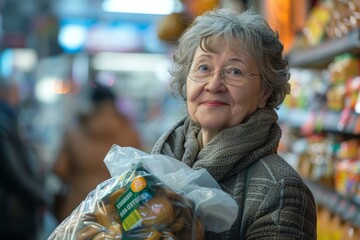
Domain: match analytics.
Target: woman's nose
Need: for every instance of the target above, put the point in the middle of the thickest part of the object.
(216, 81)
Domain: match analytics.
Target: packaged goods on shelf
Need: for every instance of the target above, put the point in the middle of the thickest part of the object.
(341, 71)
(332, 119)
(330, 19)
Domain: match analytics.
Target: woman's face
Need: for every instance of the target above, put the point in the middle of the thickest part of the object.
(214, 104)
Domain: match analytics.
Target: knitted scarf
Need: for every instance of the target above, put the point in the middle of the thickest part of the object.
(230, 151)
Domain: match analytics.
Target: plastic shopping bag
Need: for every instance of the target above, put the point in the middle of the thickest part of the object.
(150, 197)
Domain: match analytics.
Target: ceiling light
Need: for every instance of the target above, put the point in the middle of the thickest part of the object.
(159, 7)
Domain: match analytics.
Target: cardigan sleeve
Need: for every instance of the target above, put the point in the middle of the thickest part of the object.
(288, 211)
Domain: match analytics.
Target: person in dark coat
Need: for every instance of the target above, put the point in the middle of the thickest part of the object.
(22, 195)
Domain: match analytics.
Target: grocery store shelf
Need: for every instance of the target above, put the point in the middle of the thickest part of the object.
(346, 207)
(320, 121)
(320, 56)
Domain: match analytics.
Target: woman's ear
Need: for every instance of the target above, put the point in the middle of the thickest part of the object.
(264, 97)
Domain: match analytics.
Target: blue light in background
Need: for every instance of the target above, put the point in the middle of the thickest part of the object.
(114, 36)
(6, 62)
(73, 34)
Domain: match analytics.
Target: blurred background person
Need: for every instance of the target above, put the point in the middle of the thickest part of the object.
(22, 194)
(80, 164)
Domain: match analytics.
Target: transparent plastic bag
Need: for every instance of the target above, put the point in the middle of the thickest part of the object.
(150, 197)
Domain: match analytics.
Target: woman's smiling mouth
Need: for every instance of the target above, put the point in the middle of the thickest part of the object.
(213, 103)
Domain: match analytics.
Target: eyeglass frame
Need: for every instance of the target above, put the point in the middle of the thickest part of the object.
(222, 74)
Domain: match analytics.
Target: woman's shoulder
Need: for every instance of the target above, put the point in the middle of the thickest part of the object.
(272, 175)
(266, 173)
(273, 172)
(275, 167)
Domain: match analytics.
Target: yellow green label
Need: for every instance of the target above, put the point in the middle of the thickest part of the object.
(138, 192)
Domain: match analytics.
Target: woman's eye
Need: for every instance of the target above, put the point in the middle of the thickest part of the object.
(234, 71)
(203, 68)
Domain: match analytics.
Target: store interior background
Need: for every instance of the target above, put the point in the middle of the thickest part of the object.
(57, 49)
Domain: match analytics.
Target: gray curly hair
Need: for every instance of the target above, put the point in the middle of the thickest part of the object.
(247, 27)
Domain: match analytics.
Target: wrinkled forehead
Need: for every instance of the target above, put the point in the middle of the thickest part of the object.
(216, 44)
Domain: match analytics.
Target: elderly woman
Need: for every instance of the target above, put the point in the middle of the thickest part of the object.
(230, 70)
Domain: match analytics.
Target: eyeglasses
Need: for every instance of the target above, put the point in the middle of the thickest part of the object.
(231, 75)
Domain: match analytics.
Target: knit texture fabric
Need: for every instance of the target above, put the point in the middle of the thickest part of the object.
(232, 150)
(277, 204)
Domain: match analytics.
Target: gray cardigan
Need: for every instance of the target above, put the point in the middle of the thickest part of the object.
(276, 202)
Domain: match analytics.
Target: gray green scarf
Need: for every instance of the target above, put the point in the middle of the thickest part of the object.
(232, 150)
